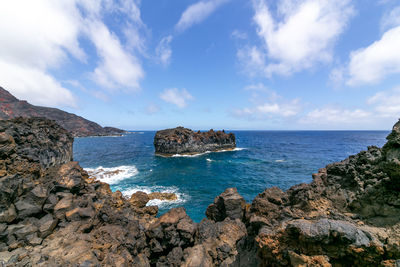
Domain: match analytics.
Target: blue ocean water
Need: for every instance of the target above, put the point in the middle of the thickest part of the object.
(264, 159)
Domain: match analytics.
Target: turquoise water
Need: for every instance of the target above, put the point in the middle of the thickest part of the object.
(264, 159)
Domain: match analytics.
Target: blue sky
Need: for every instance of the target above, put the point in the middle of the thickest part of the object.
(233, 64)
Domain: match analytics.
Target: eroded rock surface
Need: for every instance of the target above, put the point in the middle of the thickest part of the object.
(185, 141)
(53, 214)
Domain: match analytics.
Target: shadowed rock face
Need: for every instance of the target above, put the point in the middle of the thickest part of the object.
(53, 214)
(11, 107)
(35, 140)
(185, 141)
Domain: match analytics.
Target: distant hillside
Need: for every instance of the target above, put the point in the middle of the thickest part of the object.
(11, 107)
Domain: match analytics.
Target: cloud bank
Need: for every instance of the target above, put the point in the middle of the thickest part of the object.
(46, 35)
(300, 35)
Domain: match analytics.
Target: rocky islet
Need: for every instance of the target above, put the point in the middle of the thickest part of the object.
(53, 214)
(184, 141)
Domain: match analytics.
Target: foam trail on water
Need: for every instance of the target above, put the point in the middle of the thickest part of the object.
(207, 152)
(112, 175)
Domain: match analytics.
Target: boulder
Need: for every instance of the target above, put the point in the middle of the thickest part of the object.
(8, 214)
(46, 225)
(227, 205)
(163, 196)
(139, 199)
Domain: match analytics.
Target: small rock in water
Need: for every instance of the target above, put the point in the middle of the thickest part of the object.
(163, 196)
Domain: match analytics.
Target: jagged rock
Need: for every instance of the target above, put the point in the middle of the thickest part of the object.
(52, 214)
(34, 144)
(297, 260)
(46, 225)
(8, 214)
(219, 240)
(185, 141)
(197, 256)
(62, 206)
(229, 204)
(77, 213)
(329, 231)
(163, 196)
(141, 260)
(139, 199)
(26, 208)
(175, 257)
(70, 177)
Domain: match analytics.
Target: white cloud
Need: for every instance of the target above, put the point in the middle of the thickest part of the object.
(382, 109)
(37, 37)
(236, 34)
(334, 116)
(375, 62)
(117, 67)
(176, 97)
(304, 36)
(268, 104)
(252, 59)
(152, 109)
(386, 103)
(196, 13)
(163, 50)
(270, 109)
(34, 85)
(337, 76)
(391, 19)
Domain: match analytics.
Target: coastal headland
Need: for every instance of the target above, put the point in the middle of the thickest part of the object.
(53, 214)
(11, 107)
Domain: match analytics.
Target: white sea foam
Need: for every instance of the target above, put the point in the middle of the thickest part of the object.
(190, 156)
(280, 160)
(112, 175)
(209, 160)
(235, 149)
(206, 152)
(181, 197)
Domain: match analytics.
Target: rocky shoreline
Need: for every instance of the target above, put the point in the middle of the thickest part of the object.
(183, 141)
(53, 214)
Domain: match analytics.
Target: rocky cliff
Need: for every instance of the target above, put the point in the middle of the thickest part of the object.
(185, 141)
(11, 107)
(53, 214)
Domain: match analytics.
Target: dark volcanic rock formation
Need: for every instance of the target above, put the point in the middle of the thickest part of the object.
(185, 141)
(53, 214)
(11, 107)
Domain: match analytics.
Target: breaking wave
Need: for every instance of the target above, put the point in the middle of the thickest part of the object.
(181, 197)
(112, 175)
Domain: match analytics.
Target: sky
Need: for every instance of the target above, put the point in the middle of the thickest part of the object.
(221, 64)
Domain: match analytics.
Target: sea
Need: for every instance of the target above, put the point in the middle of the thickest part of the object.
(262, 159)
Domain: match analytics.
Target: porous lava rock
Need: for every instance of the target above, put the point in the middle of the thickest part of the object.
(53, 214)
(185, 141)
